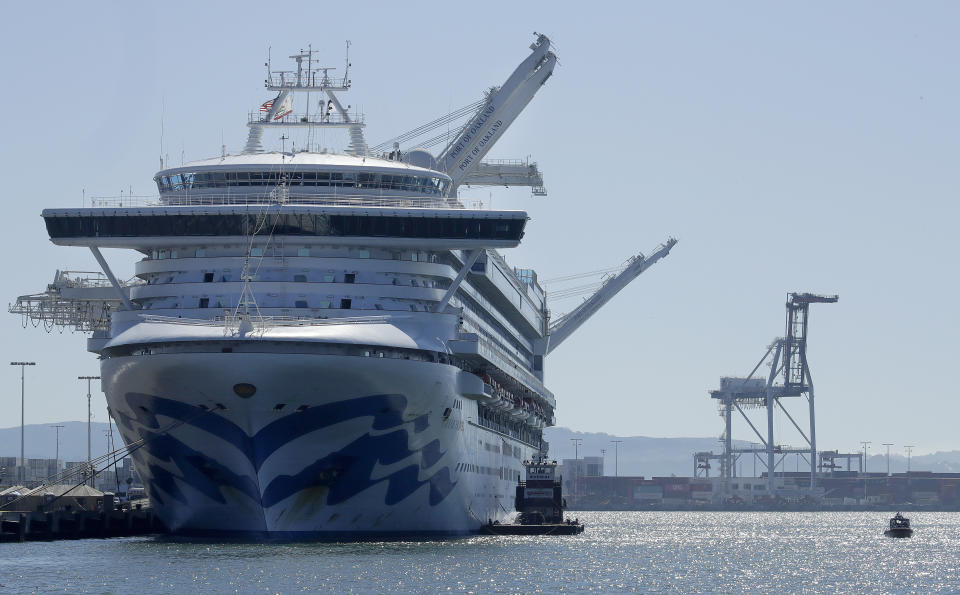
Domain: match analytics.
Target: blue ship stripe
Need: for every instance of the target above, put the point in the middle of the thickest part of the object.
(343, 473)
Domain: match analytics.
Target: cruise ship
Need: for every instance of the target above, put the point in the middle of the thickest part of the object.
(320, 342)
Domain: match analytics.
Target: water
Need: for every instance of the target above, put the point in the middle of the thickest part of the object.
(619, 551)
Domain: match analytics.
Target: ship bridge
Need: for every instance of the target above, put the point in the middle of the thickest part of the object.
(309, 178)
(144, 229)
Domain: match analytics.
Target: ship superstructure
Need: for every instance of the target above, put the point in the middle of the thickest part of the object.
(323, 342)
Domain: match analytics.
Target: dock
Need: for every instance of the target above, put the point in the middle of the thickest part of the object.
(47, 526)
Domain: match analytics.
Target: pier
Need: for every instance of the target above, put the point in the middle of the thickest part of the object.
(63, 524)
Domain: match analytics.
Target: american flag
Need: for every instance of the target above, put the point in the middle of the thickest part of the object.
(265, 107)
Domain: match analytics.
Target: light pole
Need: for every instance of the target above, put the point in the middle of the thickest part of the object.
(89, 422)
(576, 462)
(909, 449)
(22, 472)
(888, 445)
(57, 428)
(865, 444)
(576, 447)
(616, 457)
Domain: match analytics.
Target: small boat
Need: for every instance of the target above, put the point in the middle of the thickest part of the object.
(899, 527)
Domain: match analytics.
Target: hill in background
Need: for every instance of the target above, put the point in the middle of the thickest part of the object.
(660, 457)
(40, 440)
(638, 455)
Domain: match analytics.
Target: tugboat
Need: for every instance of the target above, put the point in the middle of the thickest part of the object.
(899, 527)
(539, 502)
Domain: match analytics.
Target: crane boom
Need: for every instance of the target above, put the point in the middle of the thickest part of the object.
(565, 326)
(501, 107)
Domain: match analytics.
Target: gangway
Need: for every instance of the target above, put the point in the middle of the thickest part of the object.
(80, 300)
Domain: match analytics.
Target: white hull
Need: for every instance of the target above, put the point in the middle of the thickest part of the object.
(377, 445)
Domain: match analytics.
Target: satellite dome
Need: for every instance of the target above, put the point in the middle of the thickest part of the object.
(420, 158)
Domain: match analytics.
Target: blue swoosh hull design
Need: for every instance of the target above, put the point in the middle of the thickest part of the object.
(343, 473)
(329, 445)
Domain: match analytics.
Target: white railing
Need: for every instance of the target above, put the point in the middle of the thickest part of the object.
(316, 119)
(517, 162)
(308, 81)
(264, 322)
(338, 200)
(80, 280)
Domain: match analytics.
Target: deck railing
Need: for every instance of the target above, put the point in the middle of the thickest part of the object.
(339, 200)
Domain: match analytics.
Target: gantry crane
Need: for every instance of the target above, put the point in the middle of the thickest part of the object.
(488, 119)
(790, 360)
(564, 326)
(502, 106)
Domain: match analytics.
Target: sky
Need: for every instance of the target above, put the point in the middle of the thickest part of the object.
(788, 147)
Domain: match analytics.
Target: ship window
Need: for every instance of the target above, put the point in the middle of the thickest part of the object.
(363, 254)
(300, 304)
(349, 277)
(204, 302)
(303, 251)
(345, 303)
(208, 277)
(323, 304)
(200, 253)
(256, 251)
(294, 224)
(328, 278)
(300, 278)
(173, 254)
